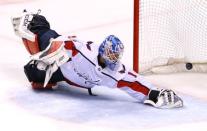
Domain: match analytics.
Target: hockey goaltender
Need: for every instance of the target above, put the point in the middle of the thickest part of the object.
(56, 58)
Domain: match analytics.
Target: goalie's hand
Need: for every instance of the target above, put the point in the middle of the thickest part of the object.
(20, 24)
(165, 99)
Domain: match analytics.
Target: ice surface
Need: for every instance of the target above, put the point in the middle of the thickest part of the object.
(70, 108)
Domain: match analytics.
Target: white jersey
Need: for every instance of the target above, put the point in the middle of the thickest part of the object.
(83, 70)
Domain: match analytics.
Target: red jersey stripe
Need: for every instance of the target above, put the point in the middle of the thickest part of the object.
(69, 45)
(134, 86)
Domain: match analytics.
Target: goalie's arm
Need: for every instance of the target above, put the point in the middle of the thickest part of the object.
(136, 86)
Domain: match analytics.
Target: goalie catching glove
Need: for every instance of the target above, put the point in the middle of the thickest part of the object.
(164, 99)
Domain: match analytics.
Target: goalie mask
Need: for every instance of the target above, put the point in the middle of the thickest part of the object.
(111, 50)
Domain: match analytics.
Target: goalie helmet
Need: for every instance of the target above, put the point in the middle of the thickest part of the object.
(111, 50)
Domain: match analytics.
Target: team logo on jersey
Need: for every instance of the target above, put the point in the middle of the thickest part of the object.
(87, 78)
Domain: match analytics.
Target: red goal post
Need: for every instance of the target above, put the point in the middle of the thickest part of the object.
(136, 36)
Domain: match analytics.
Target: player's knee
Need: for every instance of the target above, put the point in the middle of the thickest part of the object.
(37, 76)
(33, 73)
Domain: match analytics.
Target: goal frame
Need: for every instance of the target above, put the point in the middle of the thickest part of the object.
(136, 36)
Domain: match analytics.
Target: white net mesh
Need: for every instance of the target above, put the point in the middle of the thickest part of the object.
(175, 29)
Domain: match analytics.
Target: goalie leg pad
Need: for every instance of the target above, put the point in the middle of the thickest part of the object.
(44, 38)
(32, 47)
(37, 76)
(40, 43)
(40, 86)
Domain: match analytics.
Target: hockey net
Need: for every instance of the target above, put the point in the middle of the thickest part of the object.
(170, 36)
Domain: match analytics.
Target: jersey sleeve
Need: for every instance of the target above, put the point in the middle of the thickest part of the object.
(135, 85)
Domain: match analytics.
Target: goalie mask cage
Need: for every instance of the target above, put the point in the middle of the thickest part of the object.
(170, 36)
